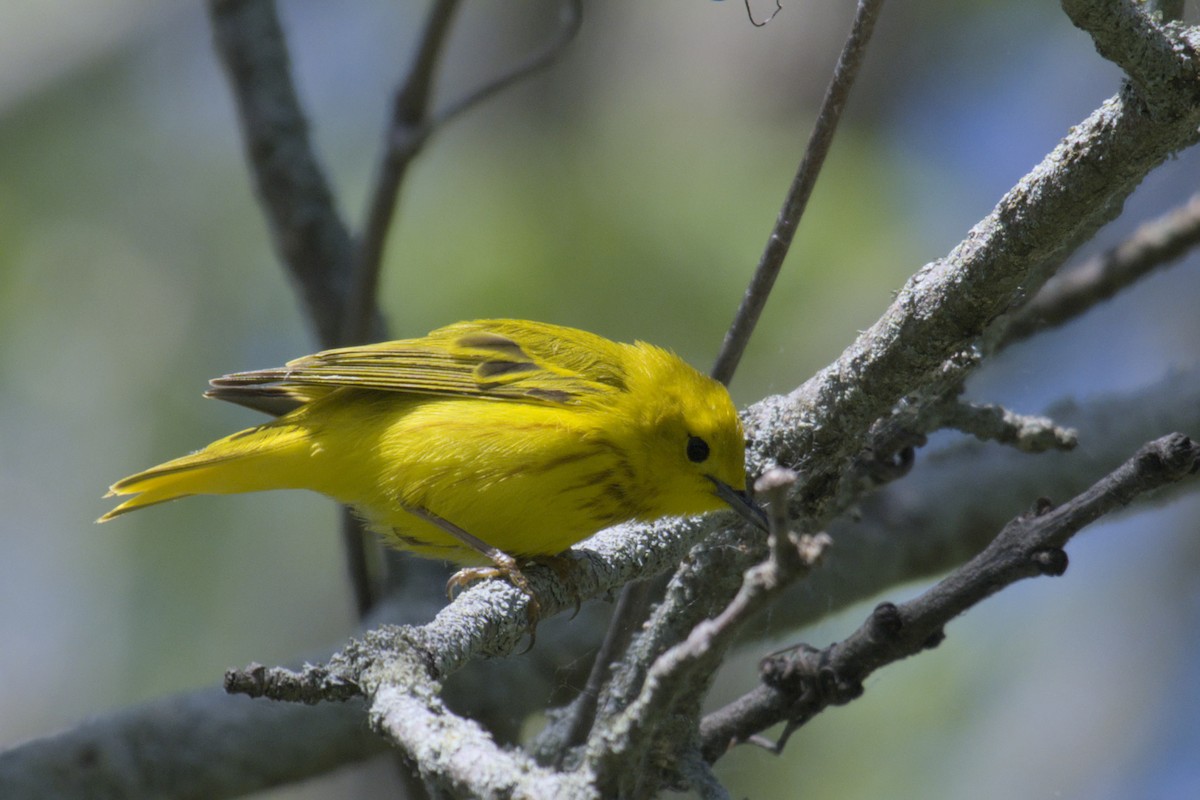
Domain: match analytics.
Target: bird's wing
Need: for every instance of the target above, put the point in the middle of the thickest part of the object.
(508, 360)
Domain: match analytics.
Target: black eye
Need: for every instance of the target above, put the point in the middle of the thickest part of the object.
(697, 449)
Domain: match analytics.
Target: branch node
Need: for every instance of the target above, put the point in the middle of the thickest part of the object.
(1050, 561)
(1171, 457)
(1042, 506)
(886, 620)
(838, 688)
(934, 639)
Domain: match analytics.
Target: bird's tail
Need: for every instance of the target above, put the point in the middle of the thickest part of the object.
(253, 460)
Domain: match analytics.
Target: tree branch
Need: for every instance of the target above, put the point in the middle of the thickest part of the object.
(911, 530)
(1029, 434)
(802, 682)
(940, 313)
(200, 744)
(933, 521)
(310, 237)
(817, 429)
(1164, 72)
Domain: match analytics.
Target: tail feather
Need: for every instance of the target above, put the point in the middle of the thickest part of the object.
(252, 460)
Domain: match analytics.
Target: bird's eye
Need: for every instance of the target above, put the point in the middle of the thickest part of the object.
(697, 449)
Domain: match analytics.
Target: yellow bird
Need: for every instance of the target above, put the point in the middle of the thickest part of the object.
(487, 441)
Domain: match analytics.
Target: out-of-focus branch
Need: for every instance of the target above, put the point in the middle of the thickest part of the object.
(803, 681)
(311, 239)
(1029, 434)
(409, 109)
(201, 744)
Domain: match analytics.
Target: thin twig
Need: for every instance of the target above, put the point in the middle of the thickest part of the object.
(571, 19)
(573, 729)
(798, 194)
(801, 682)
(987, 422)
(762, 23)
(409, 110)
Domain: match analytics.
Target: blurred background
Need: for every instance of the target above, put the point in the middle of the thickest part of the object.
(629, 190)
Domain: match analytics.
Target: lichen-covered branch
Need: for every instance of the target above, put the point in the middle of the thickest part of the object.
(1158, 59)
(817, 430)
(987, 422)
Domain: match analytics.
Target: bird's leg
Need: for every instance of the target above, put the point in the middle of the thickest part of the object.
(504, 565)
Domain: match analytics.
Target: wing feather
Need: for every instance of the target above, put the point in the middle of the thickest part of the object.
(509, 360)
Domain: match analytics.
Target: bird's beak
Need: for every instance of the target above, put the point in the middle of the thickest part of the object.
(740, 502)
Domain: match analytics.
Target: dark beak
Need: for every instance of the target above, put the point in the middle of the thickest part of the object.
(741, 503)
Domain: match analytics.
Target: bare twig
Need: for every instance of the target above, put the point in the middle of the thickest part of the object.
(780, 240)
(409, 109)
(1029, 434)
(1154, 245)
(571, 13)
(761, 23)
(801, 682)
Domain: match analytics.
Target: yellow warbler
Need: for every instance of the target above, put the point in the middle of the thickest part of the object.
(492, 440)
